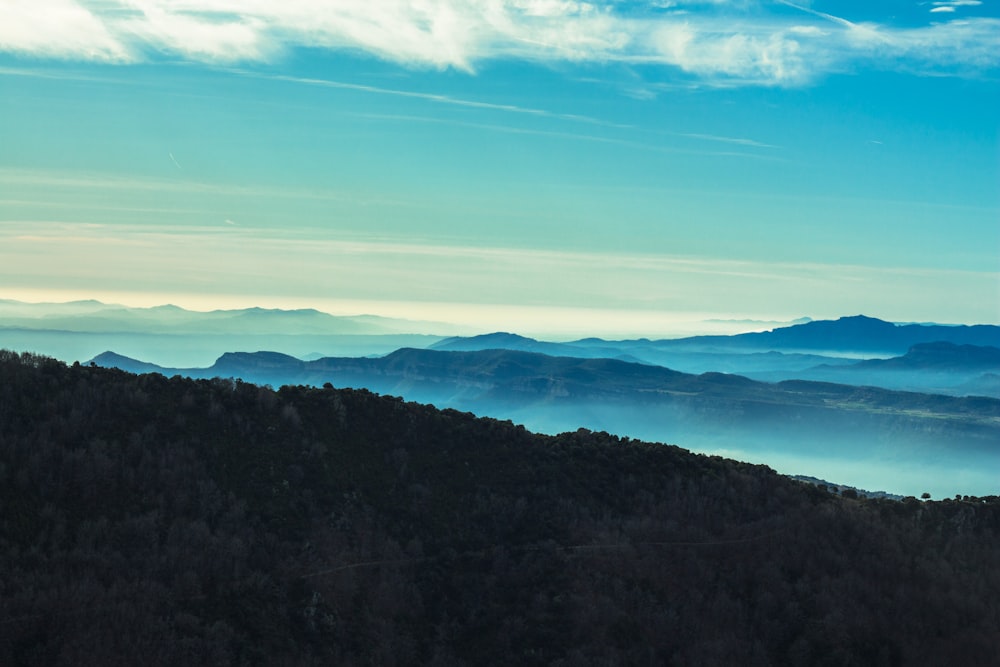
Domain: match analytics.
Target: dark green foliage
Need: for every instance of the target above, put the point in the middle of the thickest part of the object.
(152, 520)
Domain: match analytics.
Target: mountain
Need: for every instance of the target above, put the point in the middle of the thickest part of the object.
(97, 317)
(938, 356)
(172, 336)
(862, 435)
(853, 334)
(113, 360)
(858, 335)
(162, 521)
(939, 367)
(987, 384)
(814, 350)
(503, 341)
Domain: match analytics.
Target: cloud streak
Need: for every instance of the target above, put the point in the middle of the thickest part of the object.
(573, 136)
(716, 42)
(430, 97)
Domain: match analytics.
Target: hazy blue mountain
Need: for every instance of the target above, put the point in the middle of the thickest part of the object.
(987, 384)
(190, 350)
(939, 367)
(175, 337)
(800, 345)
(938, 356)
(661, 353)
(865, 436)
(507, 341)
(851, 334)
(97, 317)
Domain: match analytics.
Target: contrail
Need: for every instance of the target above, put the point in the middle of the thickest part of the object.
(174, 160)
(828, 17)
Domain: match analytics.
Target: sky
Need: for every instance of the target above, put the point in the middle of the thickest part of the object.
(549, 167)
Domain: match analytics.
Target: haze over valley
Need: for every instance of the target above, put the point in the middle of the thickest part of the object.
(907, 409)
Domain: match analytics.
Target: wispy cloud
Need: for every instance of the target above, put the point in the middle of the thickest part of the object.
(714, 42)
(739, 141)
(951, 5)
(822, 15)
(430, 97)
(575, 136)
(109, 181)
(45, 182)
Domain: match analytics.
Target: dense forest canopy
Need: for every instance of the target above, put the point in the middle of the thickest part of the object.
(154, 520)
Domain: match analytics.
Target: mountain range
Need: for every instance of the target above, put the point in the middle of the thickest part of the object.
(96, 317)
(958, 360)
(859, 334)
(876, 434)
(170, 335)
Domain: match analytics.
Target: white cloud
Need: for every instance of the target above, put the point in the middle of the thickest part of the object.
(955, 44)
(207, 38)
(57, 28)
(727, 43)
(763, 57)
(807, 30)
(950, 6)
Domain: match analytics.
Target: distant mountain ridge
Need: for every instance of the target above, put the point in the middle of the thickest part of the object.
(940, 354)
(95, 316)
(938, 367)
(869, 334)
(857, 333)
(172, 336)
(939, 358)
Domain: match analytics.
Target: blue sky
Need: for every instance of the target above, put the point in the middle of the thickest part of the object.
(552, 167)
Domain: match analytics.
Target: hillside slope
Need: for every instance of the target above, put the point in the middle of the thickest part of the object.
(153, 520)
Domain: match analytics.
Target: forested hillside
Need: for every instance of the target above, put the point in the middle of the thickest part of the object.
(152, 520)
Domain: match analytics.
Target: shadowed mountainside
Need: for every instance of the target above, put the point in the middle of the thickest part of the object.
(162, 521)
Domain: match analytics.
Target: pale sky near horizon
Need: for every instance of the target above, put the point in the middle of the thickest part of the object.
(599, 166)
